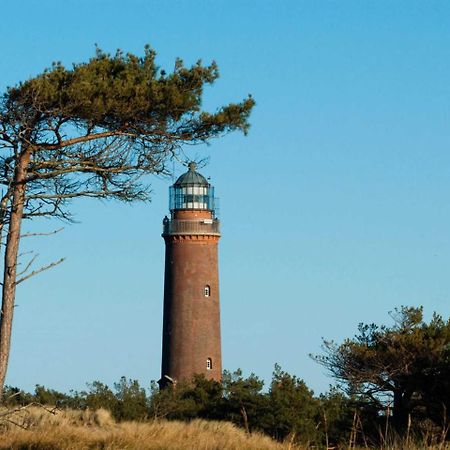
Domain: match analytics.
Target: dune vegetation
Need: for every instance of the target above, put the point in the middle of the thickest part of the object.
(38, 428)
(393, 393)
(41, 428)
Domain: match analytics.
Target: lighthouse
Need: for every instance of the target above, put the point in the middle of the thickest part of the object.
(191, 318)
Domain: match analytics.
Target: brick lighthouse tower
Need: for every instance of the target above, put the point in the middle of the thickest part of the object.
(191, 322)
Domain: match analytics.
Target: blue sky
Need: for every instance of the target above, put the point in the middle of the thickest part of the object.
(335, 208)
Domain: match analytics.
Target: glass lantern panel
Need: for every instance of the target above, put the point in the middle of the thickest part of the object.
(191, 197)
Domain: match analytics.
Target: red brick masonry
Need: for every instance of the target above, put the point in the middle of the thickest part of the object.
(191, 323)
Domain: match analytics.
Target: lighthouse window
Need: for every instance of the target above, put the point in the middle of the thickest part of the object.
(208, 364)
(207, 291)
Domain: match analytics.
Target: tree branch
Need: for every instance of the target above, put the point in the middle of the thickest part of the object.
(42, 269)
(42, 234)
(32, 260)
(81, 139)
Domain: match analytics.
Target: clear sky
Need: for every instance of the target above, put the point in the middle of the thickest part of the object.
(335, 208)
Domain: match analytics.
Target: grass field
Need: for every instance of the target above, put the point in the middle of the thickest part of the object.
(77, 430)
(36, 428)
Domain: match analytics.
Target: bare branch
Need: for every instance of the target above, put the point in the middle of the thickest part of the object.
(21, 413)
(42, 234)
(33, 259)
(42, 269)
(85, 138)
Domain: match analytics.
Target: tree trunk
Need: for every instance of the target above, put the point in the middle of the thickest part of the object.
(10, 267)
(400, 412)
(245, 419)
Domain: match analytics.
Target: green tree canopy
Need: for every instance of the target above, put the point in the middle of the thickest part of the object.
(97, 127)
(403, 366)
(293, 409)
(245, 404)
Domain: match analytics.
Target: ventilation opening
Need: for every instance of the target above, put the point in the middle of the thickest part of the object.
(207, 290)
(208, 363)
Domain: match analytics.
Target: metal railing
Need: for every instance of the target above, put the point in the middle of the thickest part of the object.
(205, 227)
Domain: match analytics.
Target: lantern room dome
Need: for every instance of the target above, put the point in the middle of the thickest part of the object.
(191, 178)
(192, 191)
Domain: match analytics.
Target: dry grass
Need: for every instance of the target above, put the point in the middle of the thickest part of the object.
(89, 430)
(35, 428)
